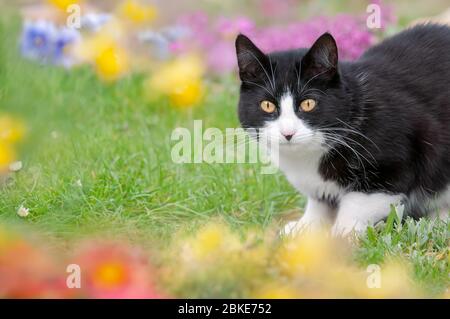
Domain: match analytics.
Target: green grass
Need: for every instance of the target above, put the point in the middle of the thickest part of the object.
(117, 143)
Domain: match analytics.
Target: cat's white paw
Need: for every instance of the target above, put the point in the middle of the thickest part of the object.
(346, 227)
(302, 225)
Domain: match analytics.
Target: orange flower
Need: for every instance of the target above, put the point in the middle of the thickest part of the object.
(115, 271)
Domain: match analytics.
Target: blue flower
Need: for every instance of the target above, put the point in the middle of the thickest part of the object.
(64, 38)
(95, 21)
(37, 40)
(42, 41)
(160, 41)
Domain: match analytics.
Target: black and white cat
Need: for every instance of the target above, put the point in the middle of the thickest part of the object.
(356, 137)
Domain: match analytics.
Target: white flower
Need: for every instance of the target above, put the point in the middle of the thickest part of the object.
(16, 166)
(23, 212)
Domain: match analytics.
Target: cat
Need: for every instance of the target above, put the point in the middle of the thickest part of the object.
(355, 137)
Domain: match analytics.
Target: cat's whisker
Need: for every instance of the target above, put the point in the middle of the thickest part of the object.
(262, 66)
(273, 75)
(259, 85)
(357, 154)
(358, 132)
(312, 78)
(356, 142)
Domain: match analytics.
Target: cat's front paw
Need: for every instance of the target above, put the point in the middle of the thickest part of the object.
(302, 225)
(344, 228)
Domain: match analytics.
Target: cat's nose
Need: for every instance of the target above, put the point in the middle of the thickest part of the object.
(288, 136)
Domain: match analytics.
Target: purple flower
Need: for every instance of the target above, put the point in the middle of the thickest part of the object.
(216, 39)
(37, 40)
(63, 39)
(42, 41)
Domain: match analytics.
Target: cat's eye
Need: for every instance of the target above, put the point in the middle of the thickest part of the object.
(268, 106)
(308, 105)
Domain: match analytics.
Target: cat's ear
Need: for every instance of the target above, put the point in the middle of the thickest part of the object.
(321, 61)
(252, 61)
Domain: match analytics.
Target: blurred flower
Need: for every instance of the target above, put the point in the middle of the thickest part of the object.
(395, 282)
(307, 253)
(43, 42)
(64, 38)
(210, 240)
(116, 271)
(111, 62)
(95, 21)
(27, 271)
(37, 40)
(136, 12)
(23, 212)
(215, 262)
(7, 156)
(163, 41)
(63, 4)
(230, 28)
(276, 291)
(105, 52)
(11, 132)
(180, 80)
(216, 40)
(15, 166)
(158, 41)
(11, 129)
(277, 8)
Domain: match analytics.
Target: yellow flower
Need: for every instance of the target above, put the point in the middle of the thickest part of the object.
(208, 240)
(188, 94)
(394, 282)
(63, 4)
(105, 52)
(109, 59)
(180, 80)
(111, 62)
(11, 130)
(137, 12)
(310, 252)
(7, 155)
(276, 291)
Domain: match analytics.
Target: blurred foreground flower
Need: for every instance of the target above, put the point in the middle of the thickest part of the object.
(216, 262)
(180, 80)
(27, 271)
(137, 12)
(116, 271)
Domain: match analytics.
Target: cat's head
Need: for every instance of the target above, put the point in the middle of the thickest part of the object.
(292, 96)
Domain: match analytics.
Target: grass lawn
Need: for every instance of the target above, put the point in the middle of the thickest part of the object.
(97, 160)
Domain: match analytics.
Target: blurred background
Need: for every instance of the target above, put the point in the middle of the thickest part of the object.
(90, 93)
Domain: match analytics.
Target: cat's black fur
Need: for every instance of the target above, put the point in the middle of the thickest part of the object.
(396, 96)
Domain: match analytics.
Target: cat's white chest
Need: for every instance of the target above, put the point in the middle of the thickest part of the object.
(302, 171)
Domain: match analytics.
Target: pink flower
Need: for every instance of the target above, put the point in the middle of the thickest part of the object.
(116, 271)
